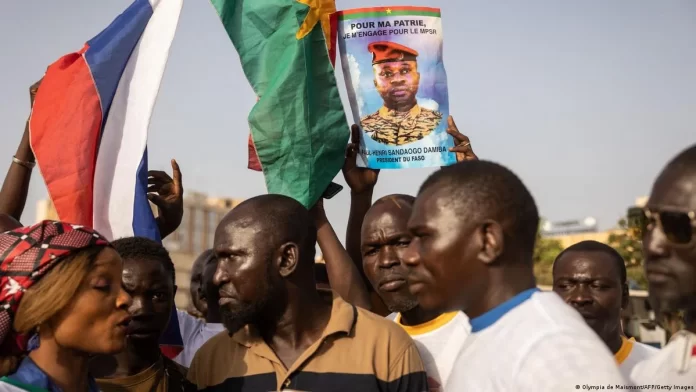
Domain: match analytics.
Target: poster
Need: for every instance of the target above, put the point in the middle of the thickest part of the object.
(397, 85)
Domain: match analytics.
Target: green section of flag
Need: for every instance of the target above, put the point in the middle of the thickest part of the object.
(298, 125)
(381, 14)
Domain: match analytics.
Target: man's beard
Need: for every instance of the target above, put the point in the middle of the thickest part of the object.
(236, 319)
(401, 305)
(252, 313)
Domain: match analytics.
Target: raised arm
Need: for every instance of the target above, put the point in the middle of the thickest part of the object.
(361, 182)
(345, 279)
(167, 194)
(15, 188)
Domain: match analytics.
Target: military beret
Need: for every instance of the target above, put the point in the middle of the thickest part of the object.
(385, 52)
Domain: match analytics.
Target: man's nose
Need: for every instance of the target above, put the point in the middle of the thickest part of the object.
(580, 296)
(398, 78)
(411, 256)
(388, 257)
(655, 244)
(221, 276)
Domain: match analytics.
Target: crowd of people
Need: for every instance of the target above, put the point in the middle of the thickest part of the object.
(432, 292)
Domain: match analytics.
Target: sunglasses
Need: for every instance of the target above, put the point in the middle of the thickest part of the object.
(679, 227)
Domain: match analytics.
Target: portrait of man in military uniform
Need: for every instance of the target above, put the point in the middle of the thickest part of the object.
(400, 120)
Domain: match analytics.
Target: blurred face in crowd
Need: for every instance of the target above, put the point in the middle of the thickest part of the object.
(208, 290)
(669, 240)
(196, 289)
(245, 276)
(96, 319)
(152, 288)
(590, 282)
(397, 83)
(446, 274)
(385, 238)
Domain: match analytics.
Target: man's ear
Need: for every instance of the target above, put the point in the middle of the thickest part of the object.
(287, 259)
(492, 241)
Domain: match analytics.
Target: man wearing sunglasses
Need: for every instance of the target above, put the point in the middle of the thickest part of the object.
(669, 244)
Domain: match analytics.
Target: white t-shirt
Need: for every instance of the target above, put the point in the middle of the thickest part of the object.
(532, 342)
(438, 342)
(194, 332)
(6, 387)
(631, 353)
(674, 365)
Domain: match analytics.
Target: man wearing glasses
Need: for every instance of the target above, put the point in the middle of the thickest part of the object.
(669, 243)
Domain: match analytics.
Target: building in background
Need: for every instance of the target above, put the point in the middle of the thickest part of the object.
(195, 234)
(573, 231)
(45, 211)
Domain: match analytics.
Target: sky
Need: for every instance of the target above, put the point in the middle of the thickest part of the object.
(584, 100)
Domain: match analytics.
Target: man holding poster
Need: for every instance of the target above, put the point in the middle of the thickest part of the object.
(400, 120)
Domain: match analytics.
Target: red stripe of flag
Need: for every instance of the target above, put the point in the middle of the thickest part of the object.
(254, 163)
(64, 132)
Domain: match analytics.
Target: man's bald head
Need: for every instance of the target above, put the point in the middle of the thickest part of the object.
(398, 199)
(479, 190)
(280, 219)
(265, 253)
(469, 220)
(676, 183)
(396, 204)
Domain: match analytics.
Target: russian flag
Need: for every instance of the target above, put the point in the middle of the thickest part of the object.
(88, 127)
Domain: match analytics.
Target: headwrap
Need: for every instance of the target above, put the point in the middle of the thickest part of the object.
(26, 254)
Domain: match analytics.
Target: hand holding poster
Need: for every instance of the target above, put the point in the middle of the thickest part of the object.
(397, 85)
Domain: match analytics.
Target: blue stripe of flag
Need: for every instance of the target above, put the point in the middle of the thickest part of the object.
(109, 51)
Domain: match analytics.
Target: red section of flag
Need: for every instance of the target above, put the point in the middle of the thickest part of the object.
(333, 23)
(693, 351)
(170, 351)
(254, 163)
(64, 130)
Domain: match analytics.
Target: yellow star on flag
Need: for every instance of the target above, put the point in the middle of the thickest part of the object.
(388, 10)
(319, 11)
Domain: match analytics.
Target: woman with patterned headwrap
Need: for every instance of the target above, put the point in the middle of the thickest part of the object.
(60, 285)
